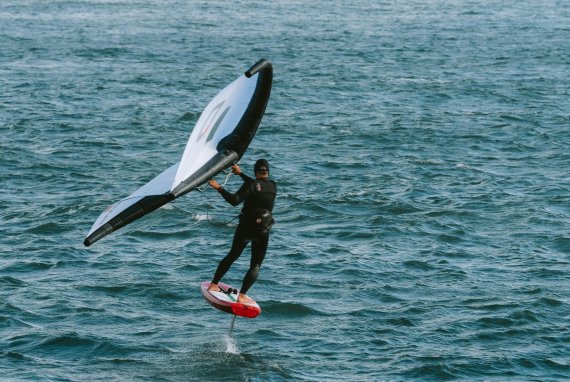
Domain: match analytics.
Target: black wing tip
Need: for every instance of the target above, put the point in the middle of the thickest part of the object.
(258, 66)
(89, 240)
(97, 235)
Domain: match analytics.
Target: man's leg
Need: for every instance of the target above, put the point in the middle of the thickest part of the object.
(238, 245)
(258, 250)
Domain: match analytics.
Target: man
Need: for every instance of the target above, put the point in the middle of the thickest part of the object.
(256, 220)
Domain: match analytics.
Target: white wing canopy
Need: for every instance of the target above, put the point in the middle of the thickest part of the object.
(158, 186)
(221, 136)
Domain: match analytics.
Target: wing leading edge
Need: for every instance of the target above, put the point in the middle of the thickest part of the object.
(220, 138)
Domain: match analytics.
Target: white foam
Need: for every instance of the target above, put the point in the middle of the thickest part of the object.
(201, 217)
(231, 345)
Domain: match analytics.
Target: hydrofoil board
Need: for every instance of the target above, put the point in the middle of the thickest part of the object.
(226, 301)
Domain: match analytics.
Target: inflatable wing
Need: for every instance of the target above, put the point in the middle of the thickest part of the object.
(219, 139)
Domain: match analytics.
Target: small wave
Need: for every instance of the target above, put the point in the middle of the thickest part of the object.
(11, 281)
(78, 345)
(45, 228)
(516, 318)
(547, 272)
(88, 309)
(105, 348)
(289, 309)
(189, 117)
(436, 370)
(550, 301)
(68, 341)
(26, 266)
(435, 162)
(417, 264)
(16, 356)
(13, 322)
(401, 321)
(532, 291)
(524, 315)
(120, 360)
(102, 52)
(169, 296)
(155, 235)
(115, 289)
(399, 208)
(495, 322)
(561, 365)
(510, 117)
(478, 304)
(267, 333)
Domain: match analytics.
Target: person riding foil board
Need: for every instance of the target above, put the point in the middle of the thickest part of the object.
(256, 219)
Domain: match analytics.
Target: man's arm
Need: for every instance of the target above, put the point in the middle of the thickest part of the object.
(236, 170)
(245, 177)
(241, 194)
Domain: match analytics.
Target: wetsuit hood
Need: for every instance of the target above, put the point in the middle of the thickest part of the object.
(261, 165)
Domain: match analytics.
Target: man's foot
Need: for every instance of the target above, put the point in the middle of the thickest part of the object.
(214, 288)
(243, 299)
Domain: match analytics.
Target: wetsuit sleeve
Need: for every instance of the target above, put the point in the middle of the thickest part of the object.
(239, 196)
(245, 177)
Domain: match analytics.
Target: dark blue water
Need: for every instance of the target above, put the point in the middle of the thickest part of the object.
(421, 152)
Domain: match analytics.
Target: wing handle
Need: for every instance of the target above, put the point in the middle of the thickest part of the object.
(258, 66)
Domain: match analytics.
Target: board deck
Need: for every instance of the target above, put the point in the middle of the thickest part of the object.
(227, 302)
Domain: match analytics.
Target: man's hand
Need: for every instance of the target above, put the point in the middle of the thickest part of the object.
(235, 169)
(215, 185)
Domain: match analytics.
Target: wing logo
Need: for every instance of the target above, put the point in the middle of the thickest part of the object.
(213, 121)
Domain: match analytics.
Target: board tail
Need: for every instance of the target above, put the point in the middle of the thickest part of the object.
(245, 310)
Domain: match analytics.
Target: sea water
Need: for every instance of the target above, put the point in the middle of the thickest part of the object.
(421, 154)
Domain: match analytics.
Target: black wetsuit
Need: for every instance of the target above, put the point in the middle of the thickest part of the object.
(258, 197)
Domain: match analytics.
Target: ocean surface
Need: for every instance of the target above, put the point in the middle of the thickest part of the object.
(421, 150)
